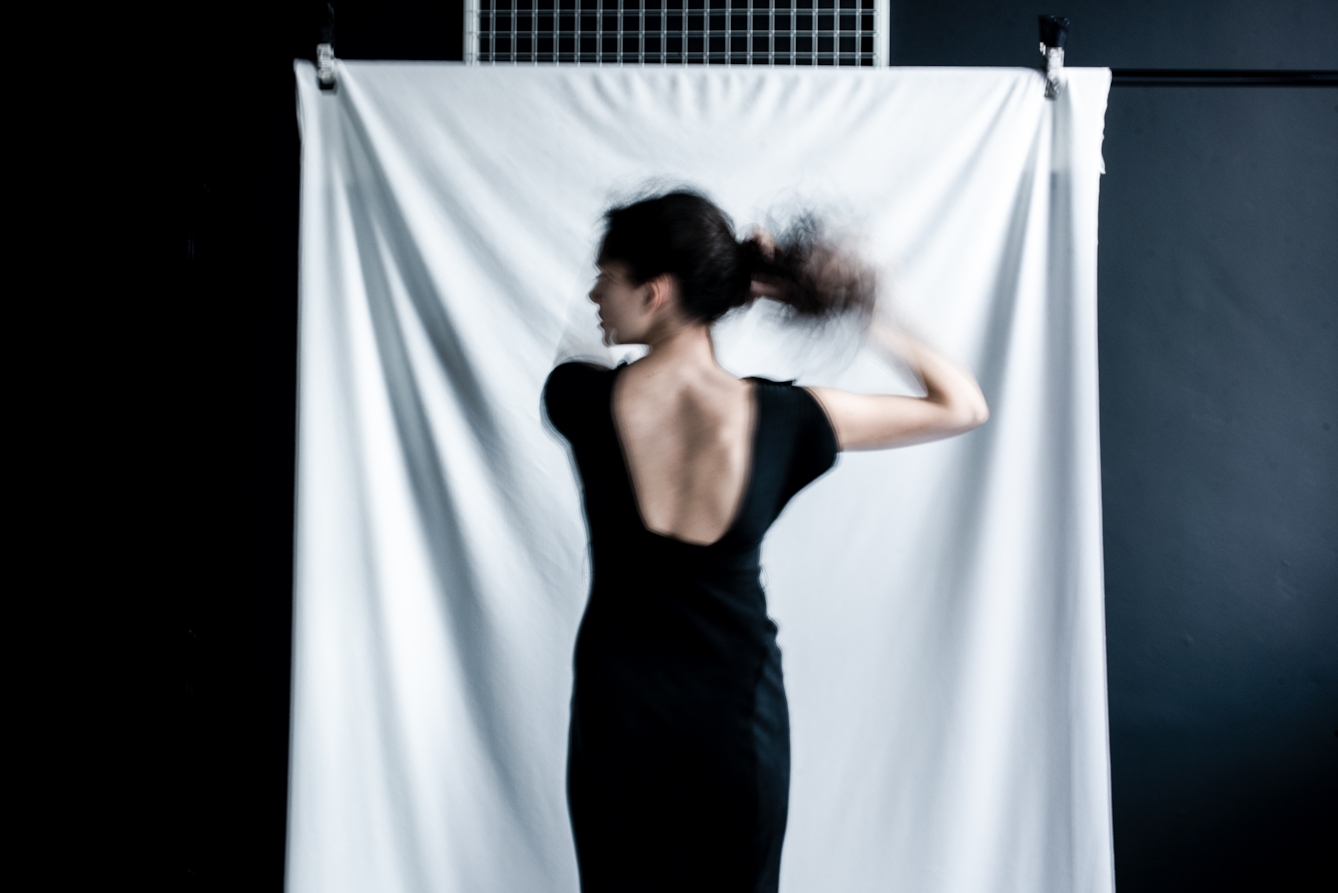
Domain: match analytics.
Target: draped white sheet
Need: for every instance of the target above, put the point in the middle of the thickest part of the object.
(940, 607)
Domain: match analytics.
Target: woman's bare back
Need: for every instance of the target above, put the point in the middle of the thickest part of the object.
(688, 438)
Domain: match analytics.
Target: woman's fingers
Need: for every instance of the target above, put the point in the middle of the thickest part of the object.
(765, 240)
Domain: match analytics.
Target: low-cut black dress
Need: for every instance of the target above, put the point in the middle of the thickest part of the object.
(678, 767)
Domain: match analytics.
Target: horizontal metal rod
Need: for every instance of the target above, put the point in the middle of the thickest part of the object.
(1208, 77)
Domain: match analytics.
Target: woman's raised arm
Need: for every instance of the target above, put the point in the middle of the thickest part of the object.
(952, 403)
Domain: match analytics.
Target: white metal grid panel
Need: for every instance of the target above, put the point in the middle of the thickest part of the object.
(677, 32)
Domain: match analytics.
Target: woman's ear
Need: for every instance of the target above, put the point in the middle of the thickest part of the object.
(661, 292)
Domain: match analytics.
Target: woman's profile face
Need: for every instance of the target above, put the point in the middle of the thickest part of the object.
(624, 311)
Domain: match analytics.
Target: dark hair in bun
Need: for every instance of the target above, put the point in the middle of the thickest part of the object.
(684, 234)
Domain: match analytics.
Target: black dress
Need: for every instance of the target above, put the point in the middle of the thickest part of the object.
(678, 766)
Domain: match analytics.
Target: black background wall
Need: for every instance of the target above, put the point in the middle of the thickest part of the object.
(1219, 404)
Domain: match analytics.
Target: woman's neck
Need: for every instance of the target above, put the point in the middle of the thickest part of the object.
(688, 345)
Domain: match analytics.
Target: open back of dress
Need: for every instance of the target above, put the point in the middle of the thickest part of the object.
(688, 458)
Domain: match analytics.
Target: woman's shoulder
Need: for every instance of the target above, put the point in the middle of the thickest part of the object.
(798, 410)
(576, 374)
(788, 393)
(771, 383)
(571, 388)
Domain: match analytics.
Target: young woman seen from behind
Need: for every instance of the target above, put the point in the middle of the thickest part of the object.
(678, 753)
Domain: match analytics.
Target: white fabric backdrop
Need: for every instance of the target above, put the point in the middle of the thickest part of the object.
(940, 607)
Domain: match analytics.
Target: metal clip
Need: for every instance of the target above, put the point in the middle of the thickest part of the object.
(325, 55)
(325, 66)
(1054, 31)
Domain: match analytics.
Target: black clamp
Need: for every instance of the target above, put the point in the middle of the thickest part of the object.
(1054, 31)
(325, 56)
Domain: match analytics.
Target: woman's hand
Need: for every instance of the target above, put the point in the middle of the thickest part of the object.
(767, 242)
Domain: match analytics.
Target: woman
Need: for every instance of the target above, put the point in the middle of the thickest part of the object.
(679, 760)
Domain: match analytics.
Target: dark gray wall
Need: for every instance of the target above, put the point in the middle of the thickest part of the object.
(1219, 390)
(1219, 402)
(1300, 34)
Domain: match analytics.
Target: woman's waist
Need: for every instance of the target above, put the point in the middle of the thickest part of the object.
(738, 605)
(673, 656)
(676, 627)
(641, 551)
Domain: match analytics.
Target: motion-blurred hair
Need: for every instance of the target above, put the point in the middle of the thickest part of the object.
(686, 235)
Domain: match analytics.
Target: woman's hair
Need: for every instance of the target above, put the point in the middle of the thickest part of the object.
(684, 234)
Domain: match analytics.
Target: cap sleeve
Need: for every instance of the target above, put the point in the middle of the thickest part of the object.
(797, 443)
(568, 396)
(815, 445)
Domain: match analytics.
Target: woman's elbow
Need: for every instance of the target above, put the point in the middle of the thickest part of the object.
(981, 414)
(973, 413)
